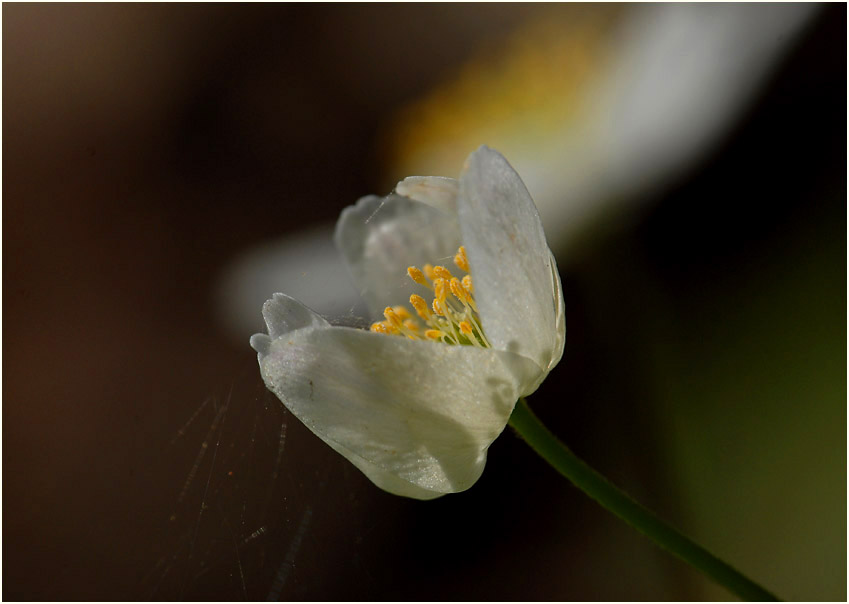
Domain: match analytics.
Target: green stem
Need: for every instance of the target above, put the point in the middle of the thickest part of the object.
(596, 486)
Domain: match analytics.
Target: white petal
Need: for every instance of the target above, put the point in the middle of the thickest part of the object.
(380, 237)
(513, 270)
(385, 479)
(437, 191)
(283, 314)
(560, 315)
(416, 417)
(261, 343)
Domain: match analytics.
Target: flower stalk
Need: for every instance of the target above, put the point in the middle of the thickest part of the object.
(558, 455)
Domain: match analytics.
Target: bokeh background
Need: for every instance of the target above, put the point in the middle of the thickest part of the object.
(168, 167)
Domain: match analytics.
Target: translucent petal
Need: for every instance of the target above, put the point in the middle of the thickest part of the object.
(283, 314)
(437, 191)
(560, 316)
(380, 237)
(516, 287)
(385, 479)
(261, 343)
(416, 417)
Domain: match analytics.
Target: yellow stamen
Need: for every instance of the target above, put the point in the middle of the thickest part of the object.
(461, 260)
(391, 318)
(439, 287)
(451, 318)
(402, 312)
(379, 327)
(467, 284)
(421, 306)
(385, 327)
(466, 329)
(440, 272)
(462, 294)
(459, 291)
(417, 276)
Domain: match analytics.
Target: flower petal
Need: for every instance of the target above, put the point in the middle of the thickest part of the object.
(416, 417)
(283, 314)
(514, 272)
(384, 479)
(437, 191)
(560, 315)
(380, 237)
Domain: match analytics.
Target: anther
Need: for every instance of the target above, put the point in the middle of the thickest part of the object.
(467, 284)
(439, 288)
(459, 292)
(379, 327)
(402, 312)
(440, 272)
(417, 276)
(421, 306)
(391, 318)
(443, 320)
(460, 259)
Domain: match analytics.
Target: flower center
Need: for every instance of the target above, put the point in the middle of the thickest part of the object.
(452, 317)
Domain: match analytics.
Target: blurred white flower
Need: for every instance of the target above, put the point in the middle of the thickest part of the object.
(600, 107)
(597, 109)
(403, 402)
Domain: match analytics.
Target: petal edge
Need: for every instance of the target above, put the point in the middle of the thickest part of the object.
(511, 263)
(423, 412)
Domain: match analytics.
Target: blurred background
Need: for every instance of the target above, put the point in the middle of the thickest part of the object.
(168, 167)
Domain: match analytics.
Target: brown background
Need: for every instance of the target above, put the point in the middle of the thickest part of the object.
(145, 145)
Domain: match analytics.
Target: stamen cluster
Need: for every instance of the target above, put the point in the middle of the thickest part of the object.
(451, 318)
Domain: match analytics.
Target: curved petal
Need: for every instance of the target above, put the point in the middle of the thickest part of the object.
(380, 237)
(386, 480)
(511, 264)
(416, 417)
(560, 315)
(437, 191)
(283, 314)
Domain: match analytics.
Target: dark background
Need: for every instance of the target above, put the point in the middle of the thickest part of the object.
(145, 146)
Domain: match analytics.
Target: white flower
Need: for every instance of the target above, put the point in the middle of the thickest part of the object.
(410, 408)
